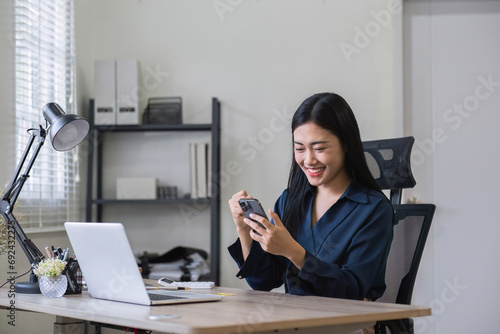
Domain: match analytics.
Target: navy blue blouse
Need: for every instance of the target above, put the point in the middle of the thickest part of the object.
(346, 250)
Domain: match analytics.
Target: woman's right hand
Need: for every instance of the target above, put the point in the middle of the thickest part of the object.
(236, 211)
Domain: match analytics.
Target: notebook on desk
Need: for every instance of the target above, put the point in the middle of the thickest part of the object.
(111, 271)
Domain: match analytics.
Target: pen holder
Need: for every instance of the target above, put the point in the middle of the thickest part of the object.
(74, 276)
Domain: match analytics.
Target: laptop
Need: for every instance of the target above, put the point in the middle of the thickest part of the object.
(111, 271)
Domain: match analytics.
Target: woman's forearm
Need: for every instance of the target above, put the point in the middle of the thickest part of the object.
(245, 241)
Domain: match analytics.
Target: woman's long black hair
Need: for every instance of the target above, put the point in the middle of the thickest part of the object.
(331, 112)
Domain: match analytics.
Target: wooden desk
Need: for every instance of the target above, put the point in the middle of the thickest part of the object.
(243, 311)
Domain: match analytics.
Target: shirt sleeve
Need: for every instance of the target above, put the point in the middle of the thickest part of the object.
(262, 271)
(357, 276)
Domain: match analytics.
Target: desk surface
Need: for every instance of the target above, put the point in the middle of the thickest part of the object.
(241, 311)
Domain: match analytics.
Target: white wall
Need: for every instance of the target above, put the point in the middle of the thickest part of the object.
(261, 59)
(451, 50)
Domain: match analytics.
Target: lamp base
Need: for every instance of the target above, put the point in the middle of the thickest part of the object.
(29, 287)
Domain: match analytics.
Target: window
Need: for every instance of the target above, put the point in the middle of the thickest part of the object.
(45, 72)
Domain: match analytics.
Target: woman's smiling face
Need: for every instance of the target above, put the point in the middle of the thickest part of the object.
(320, 155)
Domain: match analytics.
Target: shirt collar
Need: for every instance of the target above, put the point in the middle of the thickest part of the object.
(355, 192)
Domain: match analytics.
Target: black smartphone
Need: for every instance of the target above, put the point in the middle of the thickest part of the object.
(252, 205)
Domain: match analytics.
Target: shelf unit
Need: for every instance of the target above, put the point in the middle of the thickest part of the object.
(95, 202)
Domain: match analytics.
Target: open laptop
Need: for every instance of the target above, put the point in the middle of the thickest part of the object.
(111, 271)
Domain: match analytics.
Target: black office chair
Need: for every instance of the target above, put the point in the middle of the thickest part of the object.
(389, 163)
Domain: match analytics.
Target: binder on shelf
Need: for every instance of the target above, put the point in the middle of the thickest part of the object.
(209, 170)
(127, 100)
(192, 170)
(201, 169)
(105, 92)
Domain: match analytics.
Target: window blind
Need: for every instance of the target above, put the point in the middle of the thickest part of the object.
(45, 72)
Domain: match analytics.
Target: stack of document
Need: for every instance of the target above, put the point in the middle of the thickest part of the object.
(191, 268)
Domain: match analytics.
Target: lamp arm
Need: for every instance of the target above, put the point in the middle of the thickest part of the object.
(10, 196)
(33, 254)
(17, 182)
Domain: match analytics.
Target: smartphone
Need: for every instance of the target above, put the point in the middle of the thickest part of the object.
(252, 205)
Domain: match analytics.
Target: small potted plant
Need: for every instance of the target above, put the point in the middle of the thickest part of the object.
(52, 282)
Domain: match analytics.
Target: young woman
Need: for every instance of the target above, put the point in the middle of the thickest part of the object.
(332, 227)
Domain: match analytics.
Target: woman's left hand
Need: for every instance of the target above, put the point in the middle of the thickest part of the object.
(276, 239)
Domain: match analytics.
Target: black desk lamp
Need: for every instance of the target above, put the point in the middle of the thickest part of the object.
(66, 131)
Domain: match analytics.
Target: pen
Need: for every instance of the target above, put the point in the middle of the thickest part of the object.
(50, 255)
(65, 254)
(166, 288)
(60, 252)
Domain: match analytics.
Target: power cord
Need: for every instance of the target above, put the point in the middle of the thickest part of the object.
(15, 278)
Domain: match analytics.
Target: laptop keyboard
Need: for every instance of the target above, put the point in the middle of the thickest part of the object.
(154, 296)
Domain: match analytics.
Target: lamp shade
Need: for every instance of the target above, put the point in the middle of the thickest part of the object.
(66, 130)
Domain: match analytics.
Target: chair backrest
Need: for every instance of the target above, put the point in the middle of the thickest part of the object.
(389, 162)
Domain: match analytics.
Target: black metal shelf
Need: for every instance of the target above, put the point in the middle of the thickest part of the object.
(152, 201)
(96, 204)
(154, 127)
